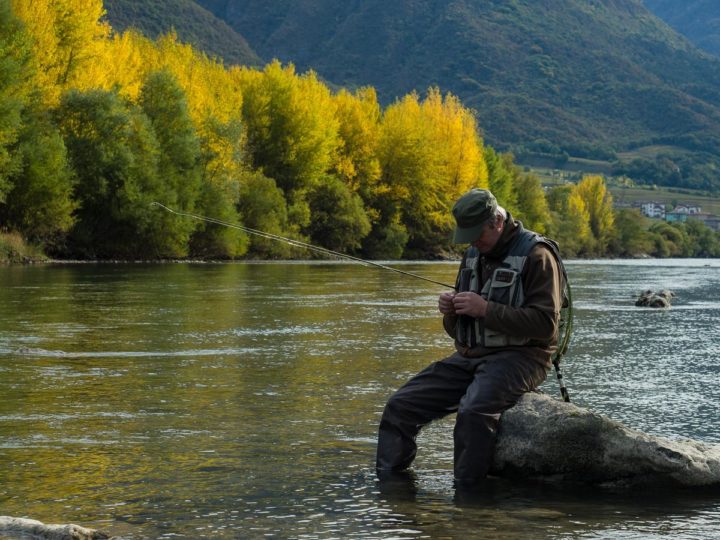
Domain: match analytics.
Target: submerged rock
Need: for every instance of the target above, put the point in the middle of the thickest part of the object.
(548, 439)
(660, 299)
(36, 529)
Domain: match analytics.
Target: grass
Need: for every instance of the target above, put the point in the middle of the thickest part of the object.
(651, 152)
(14, 249)
(709, 204)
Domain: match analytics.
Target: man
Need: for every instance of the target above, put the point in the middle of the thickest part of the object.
(504, 319)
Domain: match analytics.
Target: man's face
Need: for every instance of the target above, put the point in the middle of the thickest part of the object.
(488, 237)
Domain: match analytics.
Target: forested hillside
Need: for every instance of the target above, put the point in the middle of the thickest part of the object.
(547, 79)
(192, 23)
(97, 125)
(699, 20)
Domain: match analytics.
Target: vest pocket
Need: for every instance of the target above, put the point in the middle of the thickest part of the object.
(503, 286)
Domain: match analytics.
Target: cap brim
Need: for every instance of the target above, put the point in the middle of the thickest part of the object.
(469, 234)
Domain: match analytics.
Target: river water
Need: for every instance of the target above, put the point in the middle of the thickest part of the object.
(242, 400)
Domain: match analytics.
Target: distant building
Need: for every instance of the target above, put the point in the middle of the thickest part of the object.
(653, 209)
(676, 217)
(687, 209)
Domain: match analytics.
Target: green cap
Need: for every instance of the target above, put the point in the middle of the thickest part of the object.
(472, 212)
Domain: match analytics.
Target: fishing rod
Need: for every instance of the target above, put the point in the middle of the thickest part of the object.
(298, 243)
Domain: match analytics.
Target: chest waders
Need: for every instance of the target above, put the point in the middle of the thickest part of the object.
(505, 287)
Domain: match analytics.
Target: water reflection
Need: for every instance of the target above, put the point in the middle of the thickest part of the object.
(242, 401)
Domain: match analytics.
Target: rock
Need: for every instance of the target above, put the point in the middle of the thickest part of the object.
(548, 439)
(659, 299)
(37, 529)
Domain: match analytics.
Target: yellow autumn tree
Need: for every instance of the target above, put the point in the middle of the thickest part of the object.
(599, 205)
(430, 153)
(570, 226)
(292, 131)
(69, 36)
(358, 118)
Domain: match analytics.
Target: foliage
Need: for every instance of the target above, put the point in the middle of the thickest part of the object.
(40, 204)
(263, 208)
(547, 79)
(164, 103)
(14, 249)
(430, 153)
(114, 153)
(96, 125)
(598, 202)
(291, 125)
(192, 23)
(339, 220)
(15, 70)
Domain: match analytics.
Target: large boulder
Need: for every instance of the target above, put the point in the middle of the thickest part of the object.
(545, 438)
(25, 528)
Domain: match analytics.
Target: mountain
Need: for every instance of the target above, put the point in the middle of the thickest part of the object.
(590, 77)
(193, 24)
(698, 20)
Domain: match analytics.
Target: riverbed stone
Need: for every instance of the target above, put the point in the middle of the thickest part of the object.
(659, 299)
(25, 528)
(547, 439)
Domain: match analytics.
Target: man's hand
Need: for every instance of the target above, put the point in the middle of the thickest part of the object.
(445, 303)
(470, 303)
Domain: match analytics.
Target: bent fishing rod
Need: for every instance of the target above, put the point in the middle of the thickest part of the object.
(299, 244)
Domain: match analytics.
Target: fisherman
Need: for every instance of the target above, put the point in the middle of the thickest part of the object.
(504, 318)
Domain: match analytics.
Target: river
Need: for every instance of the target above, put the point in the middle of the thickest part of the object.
(241, 400)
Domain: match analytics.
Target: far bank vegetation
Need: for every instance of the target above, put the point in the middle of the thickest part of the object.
(96, 125)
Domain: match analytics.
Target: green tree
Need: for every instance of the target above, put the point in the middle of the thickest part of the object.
(704, 241)
(670, 240)
(501, 177)
(631, 237)
(263, 207)
(164, 103)
(532, 207)
(15, 71)
(40, 205)
(339, 221)
(222, 166)
(114, 153)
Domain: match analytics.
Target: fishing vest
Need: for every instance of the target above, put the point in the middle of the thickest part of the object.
(504, 287)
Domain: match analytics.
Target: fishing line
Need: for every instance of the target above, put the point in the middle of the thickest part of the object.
(300, 244)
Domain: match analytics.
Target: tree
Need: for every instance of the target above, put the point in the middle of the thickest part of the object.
(430, 154)
(114, 153)
(704, 241)
(501, 175)
(163, 101)
(670, 240)
(291, 126)
(223, 170)
(532, 207)
(357, 161)
(262, 207)
(70, 34)
(15, 71)
(570, 225)
(631, 238)
(598, 202)
(40, 204)
(339, 221)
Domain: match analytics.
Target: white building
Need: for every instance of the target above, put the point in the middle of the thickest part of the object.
(653, 209)
(687, 209)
